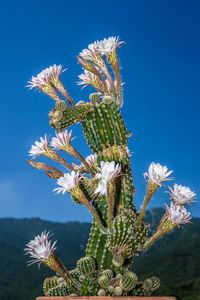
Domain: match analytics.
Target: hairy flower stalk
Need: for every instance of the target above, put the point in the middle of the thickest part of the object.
(99, 61)
(107, 173)
(62, 141)
(91, 68)
(92, 54)
(157, 175)
(70, 183)
(54, 73)
(41, 250)
(43, 148)
(89, 78)
(175, 216)
(49, 170)
(108, 47)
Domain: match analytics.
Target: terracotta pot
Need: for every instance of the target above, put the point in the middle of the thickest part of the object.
(106, 298)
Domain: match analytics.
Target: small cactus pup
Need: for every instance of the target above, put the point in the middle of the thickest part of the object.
(102, 182)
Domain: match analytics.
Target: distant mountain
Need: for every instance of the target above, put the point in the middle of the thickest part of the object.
(19, 282)
(173, 258)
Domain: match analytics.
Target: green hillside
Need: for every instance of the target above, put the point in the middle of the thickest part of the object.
(174, 258)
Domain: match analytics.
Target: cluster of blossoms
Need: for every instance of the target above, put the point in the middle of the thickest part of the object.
(106, 173)
(101, 71)
(96, 72)
(157, 175)
(62, 141)
(104, 47)
(40, 249)
(181, 195)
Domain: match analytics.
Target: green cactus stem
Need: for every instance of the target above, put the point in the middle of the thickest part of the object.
(104, 183)
(52, 287)
(86, 265)
(128, 281)
(68, 116)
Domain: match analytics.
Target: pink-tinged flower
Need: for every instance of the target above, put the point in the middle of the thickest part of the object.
(68, 182)
(43, 81)
(106, 46)
(182, 194)
(54, 72)
(62, 140)
(109, 88)
(40, 147)
(157, 174)
(91, 159)
(90, 53)
(107, 172)
(89, 78)
(40, 248)
(45, 77)
(49, 79)
(39, 81)
(178, 214)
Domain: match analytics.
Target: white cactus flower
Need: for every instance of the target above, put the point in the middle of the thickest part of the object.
(182, 194)
(68, 182)
(178, 214)
(107, 172)
(90, 53)
(40, 248)
(44, 77)
(87, 78)
(39, 147)
(39, 81)
(61, 140)
(91, 159)
(54, 72)
(106, 46)
(157, 174)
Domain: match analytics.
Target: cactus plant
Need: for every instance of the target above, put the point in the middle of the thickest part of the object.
(102, 182)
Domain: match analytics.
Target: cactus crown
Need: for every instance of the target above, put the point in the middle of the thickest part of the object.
(102, 182)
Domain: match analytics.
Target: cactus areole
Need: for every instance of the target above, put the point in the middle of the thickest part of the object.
(102, 182)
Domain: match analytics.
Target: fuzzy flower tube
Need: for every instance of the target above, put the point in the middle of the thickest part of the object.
(102, 182)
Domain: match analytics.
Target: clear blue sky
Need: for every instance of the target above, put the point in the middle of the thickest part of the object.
(161, 70)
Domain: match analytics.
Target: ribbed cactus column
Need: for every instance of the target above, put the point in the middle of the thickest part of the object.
(106, 135)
